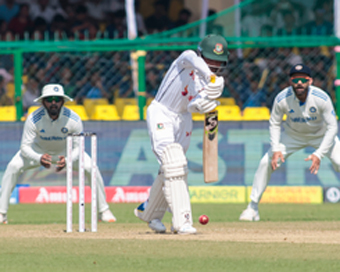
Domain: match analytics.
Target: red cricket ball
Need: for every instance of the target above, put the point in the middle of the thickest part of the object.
(203, 219)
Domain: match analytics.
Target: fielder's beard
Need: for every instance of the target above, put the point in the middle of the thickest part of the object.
(53, 111)
(300, 91)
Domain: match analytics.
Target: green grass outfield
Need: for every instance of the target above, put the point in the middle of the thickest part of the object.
(288, 238)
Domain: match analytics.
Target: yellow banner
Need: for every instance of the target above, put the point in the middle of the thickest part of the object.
(291, 194)
(217, 194)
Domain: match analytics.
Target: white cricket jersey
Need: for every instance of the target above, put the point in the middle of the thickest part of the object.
(43, 135)
(184, 80)
(315, 118)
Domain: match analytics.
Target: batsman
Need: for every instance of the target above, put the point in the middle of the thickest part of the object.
(186, 88)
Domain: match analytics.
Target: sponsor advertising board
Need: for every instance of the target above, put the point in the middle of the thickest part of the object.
(57, 194)
(217, 194)
(198, 194)
(125, 157)
(291, 194)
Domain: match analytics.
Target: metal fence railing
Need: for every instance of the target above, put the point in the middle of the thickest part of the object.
(253, 78)
(106, 67)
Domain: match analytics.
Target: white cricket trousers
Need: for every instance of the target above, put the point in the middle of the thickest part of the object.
(288, 146)
(165, 127)
(19, 164)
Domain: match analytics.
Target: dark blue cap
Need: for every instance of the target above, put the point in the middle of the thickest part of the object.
(300, 68)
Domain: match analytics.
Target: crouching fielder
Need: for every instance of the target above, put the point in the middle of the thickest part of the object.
(44, 143)
(311, 121)
(186, 88)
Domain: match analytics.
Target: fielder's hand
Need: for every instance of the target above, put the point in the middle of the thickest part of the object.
(215, 87)
(315, 163)
(276, 156)
(61, 163)
(46, 160)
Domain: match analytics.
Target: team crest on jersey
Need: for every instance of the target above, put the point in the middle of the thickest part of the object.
(218, 49)
(185, 92)
(160, 126)
(312, 109)
(64, 130)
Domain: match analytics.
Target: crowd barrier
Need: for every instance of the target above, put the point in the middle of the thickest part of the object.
(198, 194)
(125, 157)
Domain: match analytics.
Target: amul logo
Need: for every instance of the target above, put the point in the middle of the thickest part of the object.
(121, 195)
(45, 196)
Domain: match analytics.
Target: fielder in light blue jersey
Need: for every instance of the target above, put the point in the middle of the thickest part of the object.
(311, 121)
(44, 143)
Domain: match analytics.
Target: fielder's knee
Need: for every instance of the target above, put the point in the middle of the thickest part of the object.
(13, 167)
(265, 161)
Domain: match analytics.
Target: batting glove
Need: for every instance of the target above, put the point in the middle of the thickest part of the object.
(214, 89)
(202, 105)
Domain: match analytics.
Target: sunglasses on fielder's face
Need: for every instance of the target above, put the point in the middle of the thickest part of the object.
(303, 80)
(56, 99)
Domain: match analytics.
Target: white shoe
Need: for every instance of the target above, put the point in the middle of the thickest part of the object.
(157, 226)
(107, 216)
(185, 229)
(250, 214)
(3, 218)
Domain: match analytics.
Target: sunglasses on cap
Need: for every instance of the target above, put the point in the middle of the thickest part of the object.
(50, 99)
(302, 79)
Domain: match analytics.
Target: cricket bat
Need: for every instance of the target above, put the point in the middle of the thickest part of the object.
(210, 145)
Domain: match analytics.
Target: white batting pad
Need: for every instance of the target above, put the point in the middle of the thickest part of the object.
(177, 194)
(174, 162)
(176, 188)
(156, 205)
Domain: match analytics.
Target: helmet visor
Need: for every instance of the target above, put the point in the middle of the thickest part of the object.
(215, 66)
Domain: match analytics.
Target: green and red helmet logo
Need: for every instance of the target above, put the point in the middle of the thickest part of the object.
(218, 49)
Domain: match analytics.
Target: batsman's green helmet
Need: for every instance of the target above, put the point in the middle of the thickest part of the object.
(214, 47)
